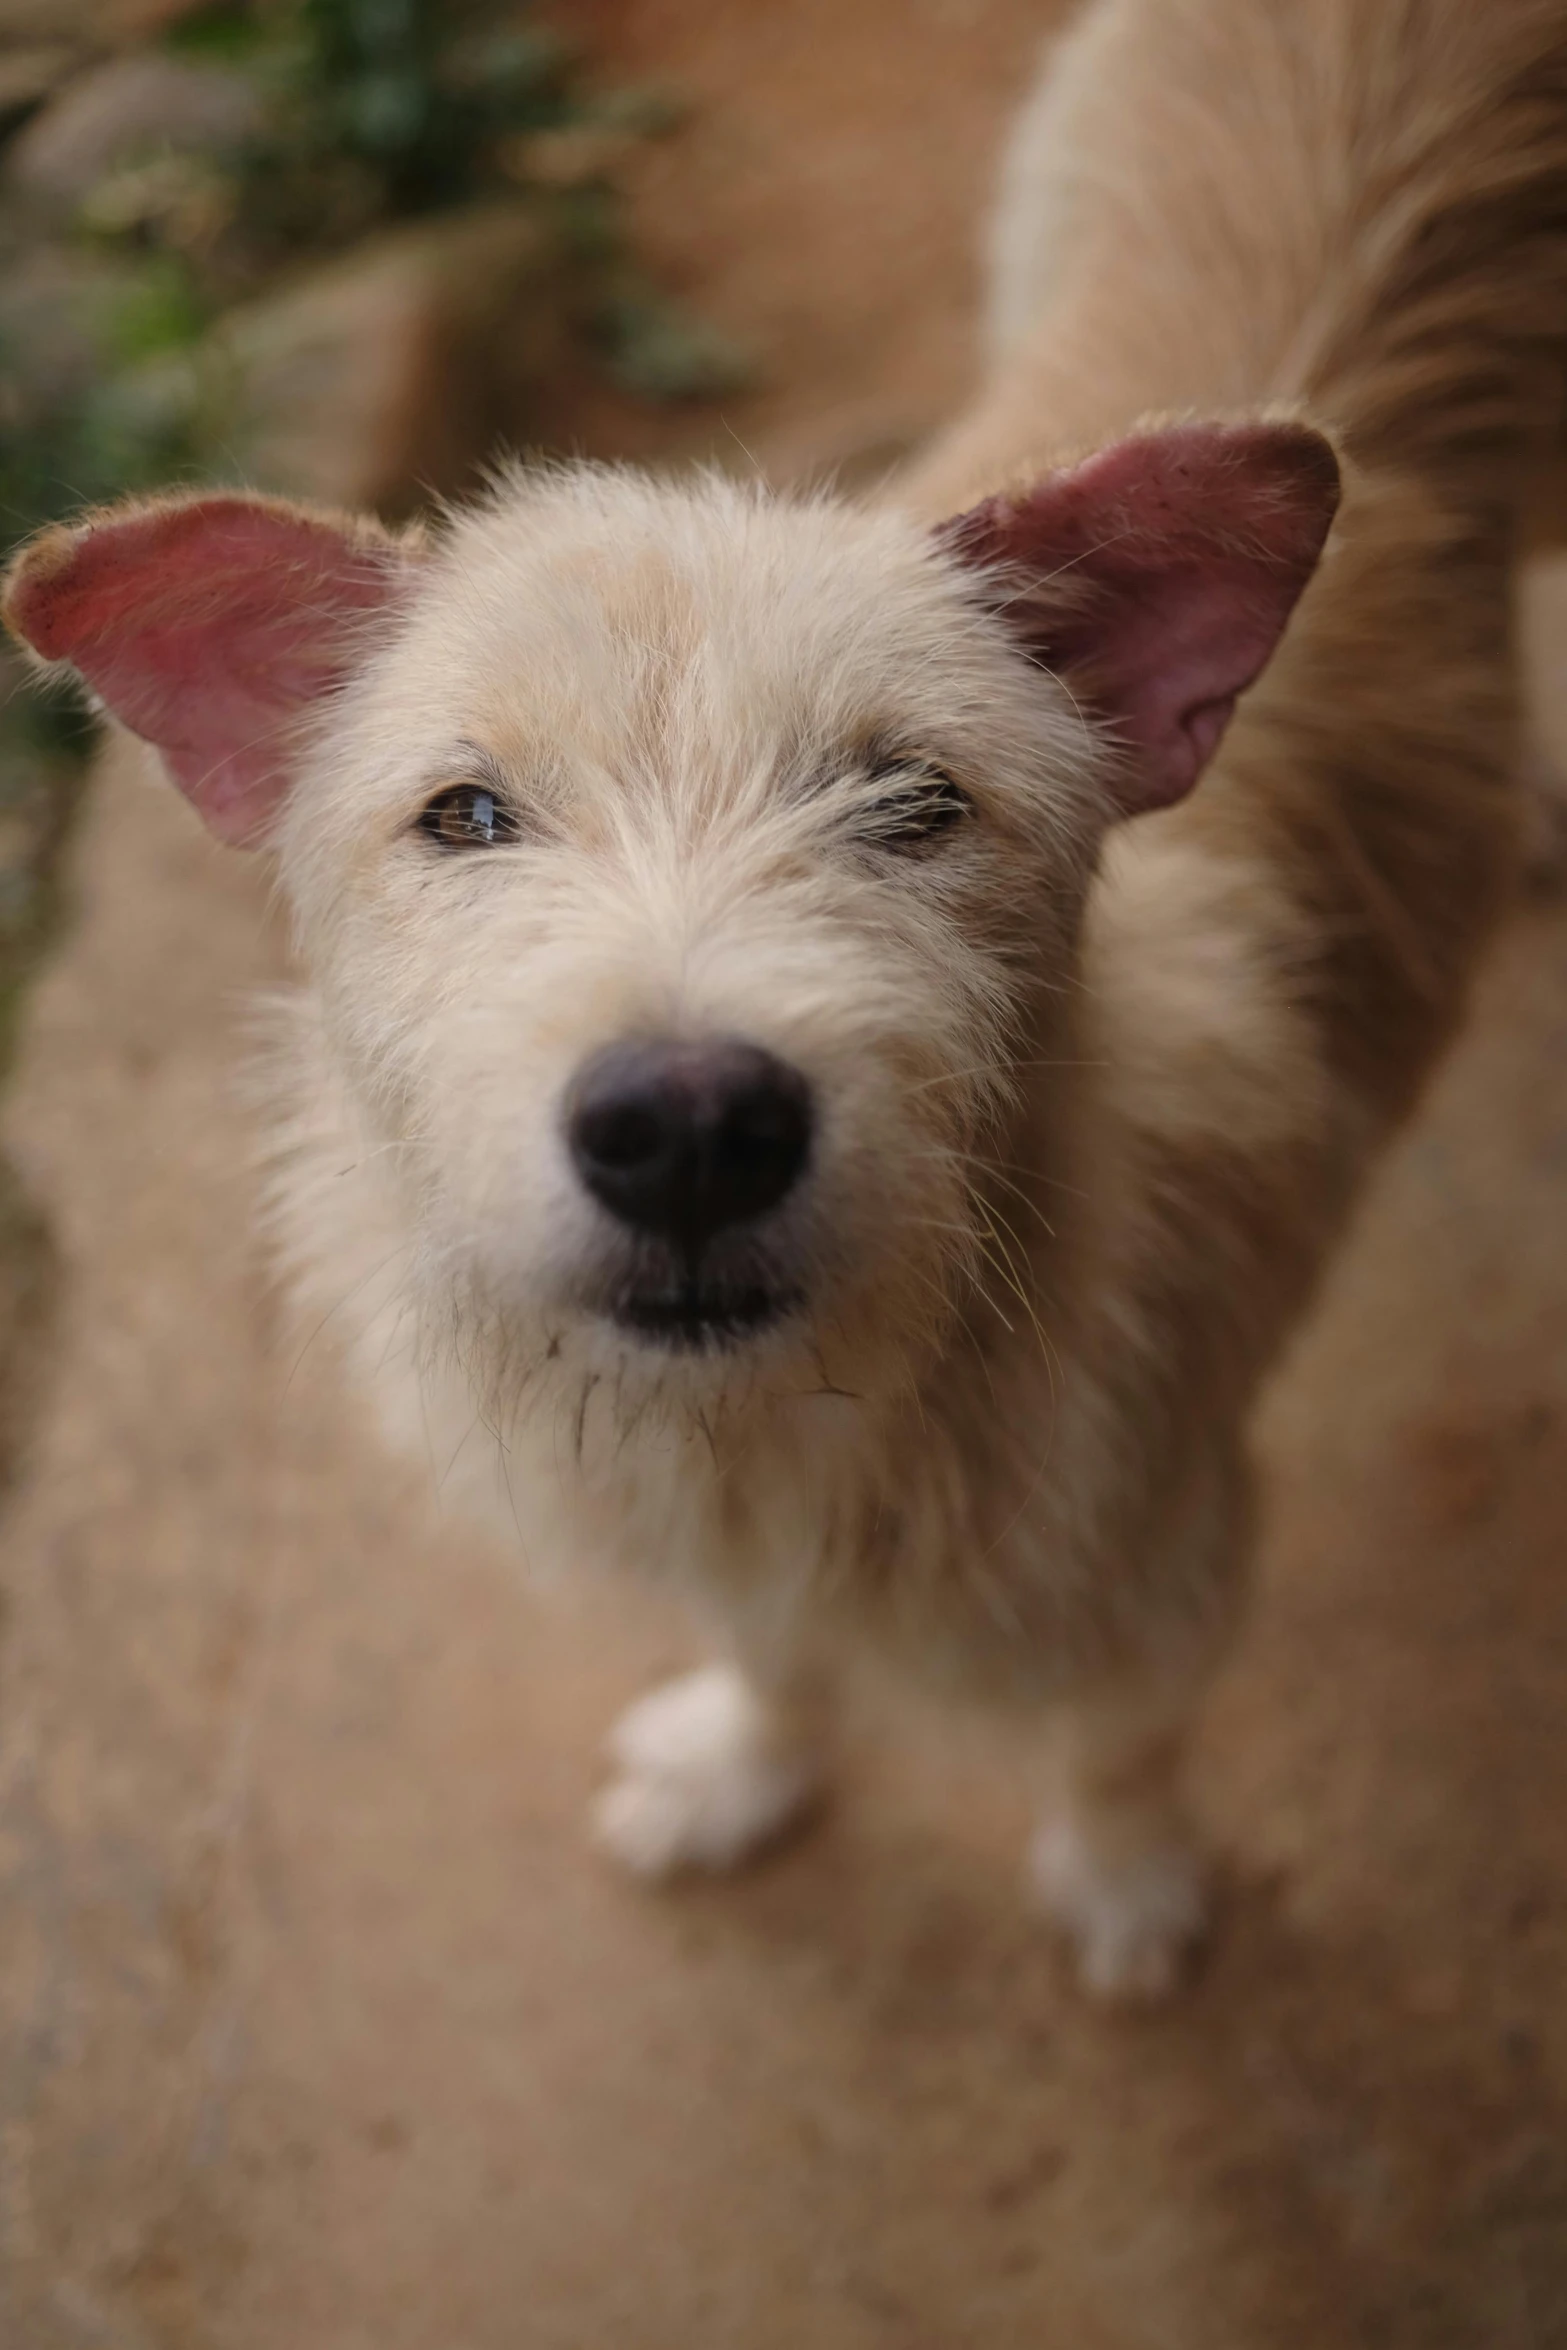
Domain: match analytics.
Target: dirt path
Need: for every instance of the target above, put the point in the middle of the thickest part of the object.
(319, 2025)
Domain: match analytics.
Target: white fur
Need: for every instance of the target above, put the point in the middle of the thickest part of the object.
(929, 1457)
(1031, 224)
(1131, 1917)
(705, 1776)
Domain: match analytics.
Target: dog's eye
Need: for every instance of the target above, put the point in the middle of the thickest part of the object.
(468, 816)
(916, 804)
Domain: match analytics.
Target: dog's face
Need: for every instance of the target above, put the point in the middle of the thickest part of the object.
(688, 877)
(680, 882)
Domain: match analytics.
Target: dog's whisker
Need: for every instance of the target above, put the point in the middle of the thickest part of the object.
(1007, 1068)
(342, 1303)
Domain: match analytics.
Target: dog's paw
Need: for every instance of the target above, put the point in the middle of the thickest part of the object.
(1132, 1918)
(705, 1777)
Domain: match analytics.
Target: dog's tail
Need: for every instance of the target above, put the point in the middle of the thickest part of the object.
(1358, 207)
(1355, 210)
(1437, 342)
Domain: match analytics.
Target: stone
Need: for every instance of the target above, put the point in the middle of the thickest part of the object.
(26, 78)
(50, 292)
(393, 371)
(123, 109)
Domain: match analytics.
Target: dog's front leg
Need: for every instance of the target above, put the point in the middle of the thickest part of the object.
(1115, 1862)
(714, 1765)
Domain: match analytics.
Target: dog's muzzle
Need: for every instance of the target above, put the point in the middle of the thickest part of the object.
(692, 1146)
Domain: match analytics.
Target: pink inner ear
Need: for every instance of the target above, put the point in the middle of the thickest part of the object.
(208, 628)
(1159, 576)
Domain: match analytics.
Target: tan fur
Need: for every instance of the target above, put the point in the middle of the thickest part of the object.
(1092, 1112)
(1356, 213)
(1015, 1459)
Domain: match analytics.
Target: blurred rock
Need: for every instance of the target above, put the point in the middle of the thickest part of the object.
(27, 76)
(181, 203)
(89, 24)
(574, 157)
(123, 109)
(396, 369)
(29, 21)
(50, 295)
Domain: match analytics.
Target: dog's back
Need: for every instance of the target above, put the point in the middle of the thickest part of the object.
(1212, 203)
(1358, 214)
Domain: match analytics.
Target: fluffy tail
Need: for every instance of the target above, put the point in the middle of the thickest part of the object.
(1356, 206)
(1440, 348)
(1356, 209)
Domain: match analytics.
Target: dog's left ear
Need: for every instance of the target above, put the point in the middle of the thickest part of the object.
(1157, 578)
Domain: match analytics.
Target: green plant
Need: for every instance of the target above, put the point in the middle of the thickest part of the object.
(384, 109)
(403, 91)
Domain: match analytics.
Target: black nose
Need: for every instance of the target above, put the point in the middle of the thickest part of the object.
(684, 1139)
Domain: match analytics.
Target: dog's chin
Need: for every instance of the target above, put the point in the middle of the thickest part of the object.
(697, 1317)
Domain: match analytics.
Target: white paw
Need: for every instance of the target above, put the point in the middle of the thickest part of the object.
(1131, 1917)
(705, 1777)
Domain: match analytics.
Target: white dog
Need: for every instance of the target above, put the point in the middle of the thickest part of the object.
(802, 1140)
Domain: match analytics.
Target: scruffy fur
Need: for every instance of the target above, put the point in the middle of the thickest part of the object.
(1093, 1100)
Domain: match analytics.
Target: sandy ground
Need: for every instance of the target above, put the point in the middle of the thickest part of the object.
(320, 2025)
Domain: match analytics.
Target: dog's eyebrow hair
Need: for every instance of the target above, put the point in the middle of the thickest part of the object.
(886, 753)
(480, 765)
(869, 756)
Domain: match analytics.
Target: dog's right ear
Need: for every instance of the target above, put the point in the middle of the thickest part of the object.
(210, 626)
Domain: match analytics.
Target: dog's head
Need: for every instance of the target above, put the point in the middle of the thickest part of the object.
(686, 874)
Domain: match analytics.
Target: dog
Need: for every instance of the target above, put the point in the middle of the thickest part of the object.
(794, 1091)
